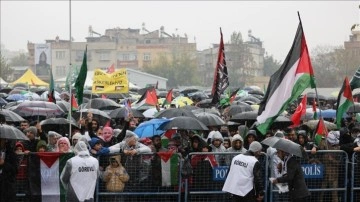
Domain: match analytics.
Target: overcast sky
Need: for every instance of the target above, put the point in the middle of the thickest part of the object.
(274, 22)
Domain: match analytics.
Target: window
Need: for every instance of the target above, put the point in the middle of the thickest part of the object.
(60, 55)
(147, 56)
(60, 71)
(125, 57)
(104, 55)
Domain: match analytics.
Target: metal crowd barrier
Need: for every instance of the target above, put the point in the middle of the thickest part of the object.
(325, 176)
(154, 179)
(207, 180)
(355, 177)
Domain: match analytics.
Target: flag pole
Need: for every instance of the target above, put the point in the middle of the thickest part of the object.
(316, 92)
(70, 86)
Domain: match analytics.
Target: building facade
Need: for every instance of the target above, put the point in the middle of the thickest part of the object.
(125, 48)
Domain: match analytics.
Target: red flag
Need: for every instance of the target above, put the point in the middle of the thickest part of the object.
(300, 110)
(111, 69)
(151, 97)
(74, 104)
(212, 160)
(221, 80)
(168, 98)
(233, 95)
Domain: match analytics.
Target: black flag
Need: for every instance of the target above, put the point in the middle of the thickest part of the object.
(221, 80)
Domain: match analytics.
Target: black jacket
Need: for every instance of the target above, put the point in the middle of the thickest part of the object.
(295, 179)
(258, 179)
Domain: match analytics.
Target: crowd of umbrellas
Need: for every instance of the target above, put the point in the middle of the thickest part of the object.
(18, 104)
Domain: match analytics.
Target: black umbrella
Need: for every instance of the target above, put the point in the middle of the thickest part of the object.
(250, 98)
(174, 112)
(247, 118)
(102, 104)
(60, 125)
(6, 90)
(284, 145)
(207, 110)
(122, 112)
(190, 107)
(3, 102)
(354, 108)
(206, 103)
(187, 91)
(65, 106)
(38, 108)
(210, 119)
(11, 116)
(11, 132)
(281, 122)
(184, 123)
(3, 95)
(88, 94)
(101, 116)
(235, 109)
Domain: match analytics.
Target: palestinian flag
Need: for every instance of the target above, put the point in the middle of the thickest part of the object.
(168, 98)
(167, 137)
(315, 116)
(149, 97)
(345, 100)
(233, 95)
(51, 95)
(355, 81)
(300, 110)
(169, 168)
(74, 104)
(287, 84)
(44, 176)
(321, 131)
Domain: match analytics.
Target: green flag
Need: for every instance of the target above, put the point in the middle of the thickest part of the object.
(80, 81)
(71, 77)
(355, 81)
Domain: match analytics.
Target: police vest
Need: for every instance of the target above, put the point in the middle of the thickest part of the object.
(240, 179)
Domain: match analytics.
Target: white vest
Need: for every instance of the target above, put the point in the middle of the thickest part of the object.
(240, 179)
(83, 178)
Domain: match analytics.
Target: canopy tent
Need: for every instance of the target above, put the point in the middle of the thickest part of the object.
(30, 78)
(2, 81)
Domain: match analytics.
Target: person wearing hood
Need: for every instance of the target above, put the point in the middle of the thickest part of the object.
(244, 180)
(236, 146)
(249, 138)
(63, 145)
(97, 147)
(130, 145)
(216, 146)
(115, 175)
(53, 137)
(294, 177)
(74, 139)
(80, 174)
(41, 146)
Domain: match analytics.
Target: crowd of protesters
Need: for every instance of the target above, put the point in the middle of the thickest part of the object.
(126, 171)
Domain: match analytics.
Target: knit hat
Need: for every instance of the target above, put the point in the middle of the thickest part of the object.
(31, 129)
(255, 146)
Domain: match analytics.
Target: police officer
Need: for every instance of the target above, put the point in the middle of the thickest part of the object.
(80, 174)
(244, 180)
